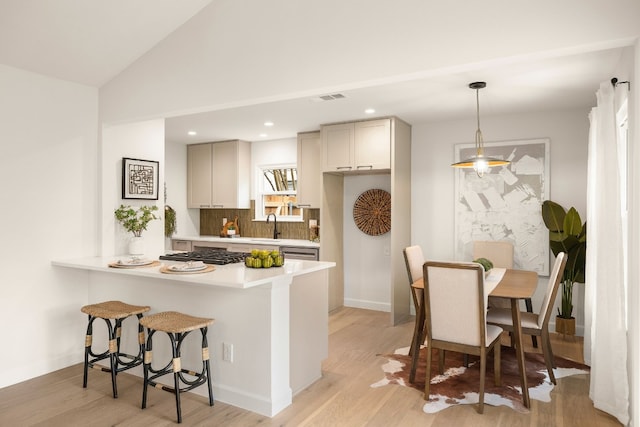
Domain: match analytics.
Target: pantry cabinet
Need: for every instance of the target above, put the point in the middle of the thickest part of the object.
(217, 175)
(309, 193)
(357, 147)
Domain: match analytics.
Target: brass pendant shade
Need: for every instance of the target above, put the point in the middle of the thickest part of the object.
(479, 162)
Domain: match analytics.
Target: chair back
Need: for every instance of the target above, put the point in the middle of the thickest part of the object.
(499, 252)
(455, 302)
(552, 289)
(414, 259)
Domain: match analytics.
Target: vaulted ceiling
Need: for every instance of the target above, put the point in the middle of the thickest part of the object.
(91, 41)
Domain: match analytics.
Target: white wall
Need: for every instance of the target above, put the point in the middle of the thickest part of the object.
(145, 141)
(48, 171)
(187, 220)
(367, 264)
(432, 222)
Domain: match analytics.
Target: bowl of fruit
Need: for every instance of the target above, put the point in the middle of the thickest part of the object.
(263, 258)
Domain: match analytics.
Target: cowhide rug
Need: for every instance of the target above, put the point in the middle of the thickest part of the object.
(460, 385)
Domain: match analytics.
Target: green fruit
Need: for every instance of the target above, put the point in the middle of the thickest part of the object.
(248, 261)
(275, 254)
(257, 263)
(267, 262)
(278, 261)
(255, 253)
(264, 254)
(485, 263)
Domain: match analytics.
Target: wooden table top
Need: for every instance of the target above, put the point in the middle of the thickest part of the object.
(514, 284)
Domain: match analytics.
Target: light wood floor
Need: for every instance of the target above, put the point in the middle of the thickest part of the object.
(343, 397)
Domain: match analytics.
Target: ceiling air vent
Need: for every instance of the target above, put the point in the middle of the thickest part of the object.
(330, 97)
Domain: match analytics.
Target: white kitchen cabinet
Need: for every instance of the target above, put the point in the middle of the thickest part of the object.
(217, 175)
(309, 191)
(357, 147)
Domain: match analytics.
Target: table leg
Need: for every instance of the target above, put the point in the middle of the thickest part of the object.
(517, 335)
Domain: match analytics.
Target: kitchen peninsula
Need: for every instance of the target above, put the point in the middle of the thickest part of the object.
(272, 323)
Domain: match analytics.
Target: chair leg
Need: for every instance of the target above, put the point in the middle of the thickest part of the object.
(427, 381)
(548, 354)
(147, 366)
(415, 357)
(417, 333)
(496, 363)
(527, 303)
(483, 371)
(87, 348)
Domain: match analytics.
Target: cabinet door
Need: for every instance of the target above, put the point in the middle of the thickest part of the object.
(309, 170)
(199, 176)
(372, 147)
(337, 147)
(225, 175)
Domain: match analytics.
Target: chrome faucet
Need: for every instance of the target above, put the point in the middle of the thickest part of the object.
(275, 225)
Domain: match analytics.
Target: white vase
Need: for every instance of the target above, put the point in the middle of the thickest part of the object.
(136, 246)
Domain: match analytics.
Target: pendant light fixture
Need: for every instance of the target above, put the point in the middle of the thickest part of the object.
(480, 163)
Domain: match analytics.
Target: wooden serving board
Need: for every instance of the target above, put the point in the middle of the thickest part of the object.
(165, 269)
(116, 265)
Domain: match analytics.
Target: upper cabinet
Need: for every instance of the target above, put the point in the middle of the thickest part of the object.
(217, 175)
(356, 147)
(309, 193)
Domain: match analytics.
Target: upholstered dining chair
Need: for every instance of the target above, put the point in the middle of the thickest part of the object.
(455, 305)
(414, 259)
(500, 253)
(532, 323)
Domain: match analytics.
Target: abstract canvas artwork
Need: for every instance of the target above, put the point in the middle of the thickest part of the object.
(139, 179)
(505, 204)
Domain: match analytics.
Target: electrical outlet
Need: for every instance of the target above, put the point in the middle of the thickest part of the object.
(313, 223)
(227, 352)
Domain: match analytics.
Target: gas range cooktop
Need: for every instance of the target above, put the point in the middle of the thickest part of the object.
(212, 256)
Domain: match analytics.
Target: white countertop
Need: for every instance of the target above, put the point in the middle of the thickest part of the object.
(230, 275)
(251, 241)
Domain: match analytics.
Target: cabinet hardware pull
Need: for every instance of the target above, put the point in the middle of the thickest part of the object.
(304, 205)
(343, 167)
(204, 206)
(364, 166)
(217, 206)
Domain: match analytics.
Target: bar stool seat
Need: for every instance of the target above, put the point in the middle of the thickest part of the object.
(177, 326)
(116, 311)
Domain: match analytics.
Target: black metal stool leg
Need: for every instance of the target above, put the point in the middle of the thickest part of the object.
(113, 353)
(148, 356)
(175, 348)
(87, 348)
(205, 361)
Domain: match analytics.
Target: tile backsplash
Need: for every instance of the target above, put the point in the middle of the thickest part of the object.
(211, 223)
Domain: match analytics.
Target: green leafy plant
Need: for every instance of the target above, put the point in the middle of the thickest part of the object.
(169, 221)
(567, 234)
(135, 220)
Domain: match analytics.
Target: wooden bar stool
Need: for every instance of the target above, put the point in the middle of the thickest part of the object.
(177, 326)
(112, 311)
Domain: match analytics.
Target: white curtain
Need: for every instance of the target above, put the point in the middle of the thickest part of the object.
(605, 331)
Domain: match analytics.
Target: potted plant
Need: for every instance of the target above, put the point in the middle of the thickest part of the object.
(567, 234)
(135, 221)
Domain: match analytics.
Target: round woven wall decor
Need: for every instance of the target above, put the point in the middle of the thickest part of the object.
(372, 212)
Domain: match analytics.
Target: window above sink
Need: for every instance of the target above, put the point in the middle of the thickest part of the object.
(277, 193)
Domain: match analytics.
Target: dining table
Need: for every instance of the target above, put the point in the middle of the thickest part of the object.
(514, 285)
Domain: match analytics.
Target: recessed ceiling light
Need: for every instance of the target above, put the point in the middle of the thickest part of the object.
(192, 132)
(263, 135)
(268, 123)
(369, 111)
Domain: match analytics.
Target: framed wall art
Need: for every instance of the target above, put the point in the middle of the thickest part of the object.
(139, 179)
(506, 203)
